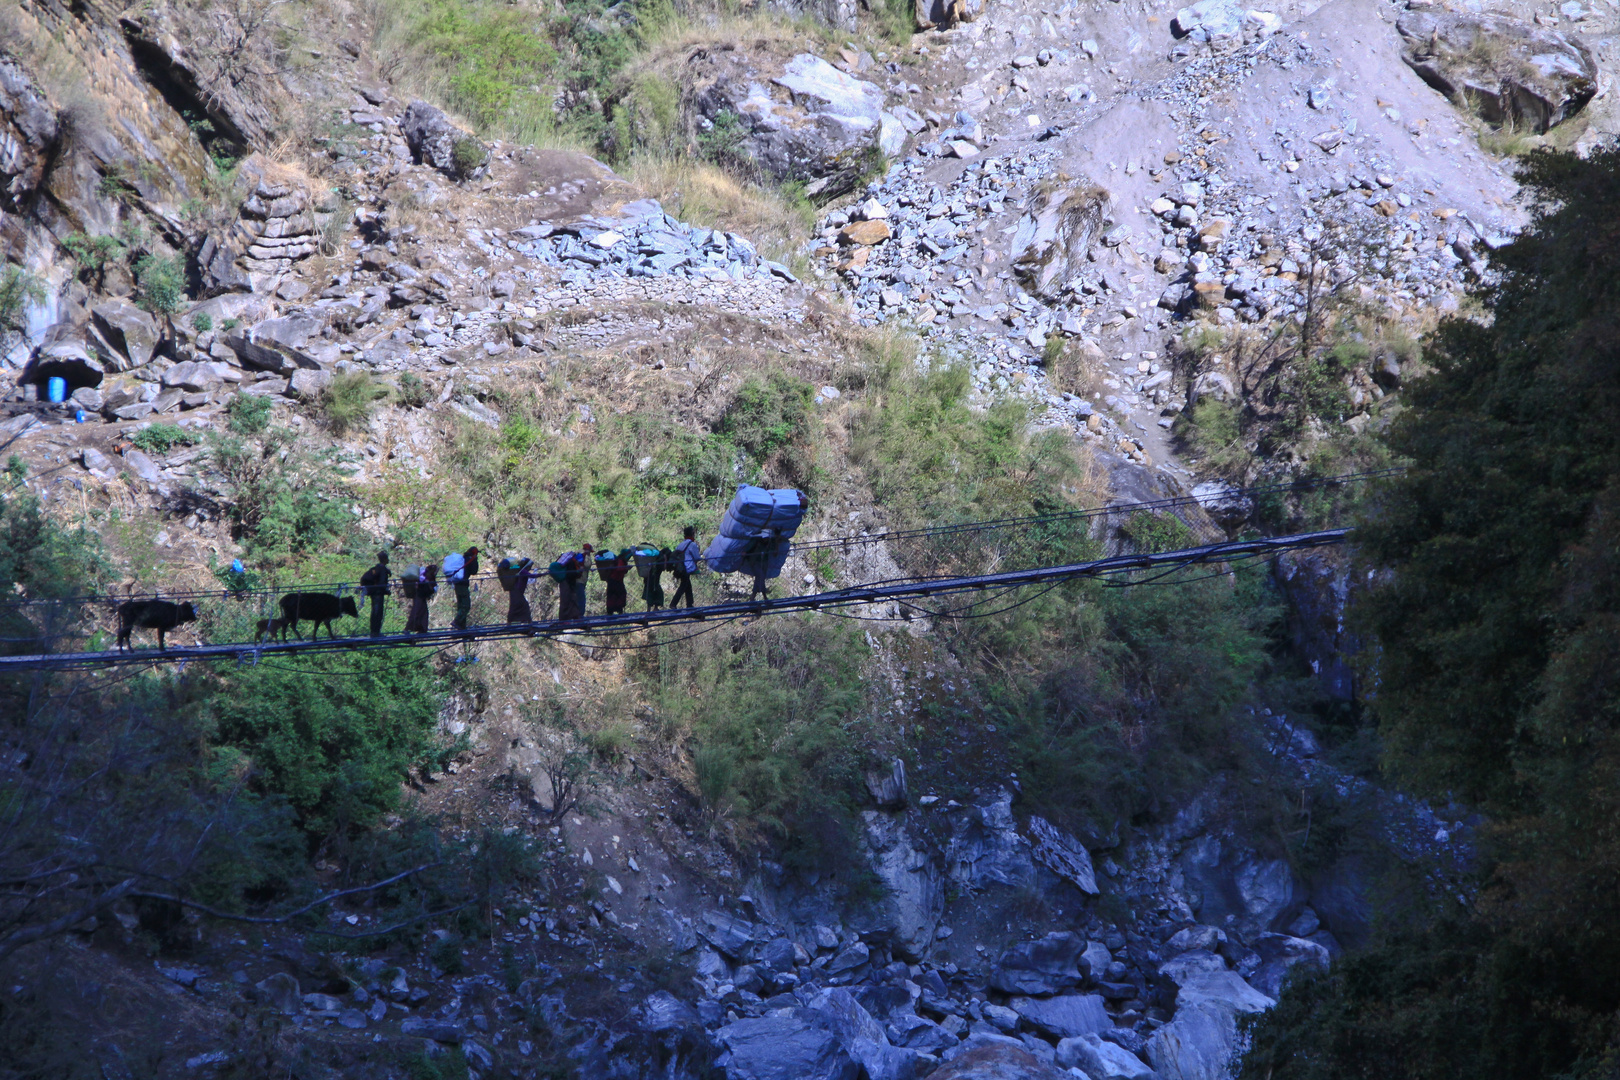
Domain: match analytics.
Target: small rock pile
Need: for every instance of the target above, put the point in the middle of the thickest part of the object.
(280, 223)
(643, 241)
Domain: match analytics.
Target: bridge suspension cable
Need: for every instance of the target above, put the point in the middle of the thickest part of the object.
(589, 629)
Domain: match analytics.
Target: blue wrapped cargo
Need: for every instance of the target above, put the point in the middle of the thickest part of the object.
(729, 554)
(764, 512)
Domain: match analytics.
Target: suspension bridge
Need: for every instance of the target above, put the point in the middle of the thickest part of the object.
(916, 596)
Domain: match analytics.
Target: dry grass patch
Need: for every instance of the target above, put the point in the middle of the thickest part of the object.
(778, 223)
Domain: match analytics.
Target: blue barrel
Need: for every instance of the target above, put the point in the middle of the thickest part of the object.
(56, 389)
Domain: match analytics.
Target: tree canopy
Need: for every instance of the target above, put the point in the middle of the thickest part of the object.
(1496, 672)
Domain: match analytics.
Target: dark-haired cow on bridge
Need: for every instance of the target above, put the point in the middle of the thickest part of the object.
(318, 608)
(159, 615)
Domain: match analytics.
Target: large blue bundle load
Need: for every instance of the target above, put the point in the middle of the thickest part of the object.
(728, 554)
(763, 512)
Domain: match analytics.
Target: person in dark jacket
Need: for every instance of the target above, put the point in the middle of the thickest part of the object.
(687, 559)
(374, 583)
(612, 575)
(757, 562)
(586, 552)
(517, 604)
(427, 583)
(461, 581)
(570, 594)
(653, 590)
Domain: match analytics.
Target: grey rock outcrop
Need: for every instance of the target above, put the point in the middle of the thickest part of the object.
(1260, 893)
(986, 847)
(28, 134)
(435, 141)
(888, 787)
(809, 121)
(1505, 70)
(1197, 1045)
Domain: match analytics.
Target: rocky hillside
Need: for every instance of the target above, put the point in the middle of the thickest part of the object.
(1125, 223)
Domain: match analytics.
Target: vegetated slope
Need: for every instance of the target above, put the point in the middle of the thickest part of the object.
(1495, 614)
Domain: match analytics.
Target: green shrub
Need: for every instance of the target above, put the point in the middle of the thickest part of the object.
(160, 438)
(1138, 706)
(249, 414)
(722, 142)
(162, 282)
(348, 401)
(230, 324)
(769, 420)
(1490, 615)
(469, 155)
(115, 182)
(446, 955)
(771, 711)
(334, 736)
(202, 322)
(287, 499)
(412, 392)
(94, 254)
(18, 290)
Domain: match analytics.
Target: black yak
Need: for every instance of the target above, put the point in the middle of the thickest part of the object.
(159, 615)
(318, 608)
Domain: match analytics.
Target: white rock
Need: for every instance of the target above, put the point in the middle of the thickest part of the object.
(607, 239)
(871, 210)
(963, 149)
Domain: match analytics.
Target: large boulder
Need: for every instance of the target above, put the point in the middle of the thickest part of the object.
(914, 886)
(28, 134)
(783, 1047)
(944, 14)
(807, 122)
(997, 1061)
(278, 345)
(1198, 1044)
(731, 935)
(862, 1037)
(1045, 966)
(1053, 238)
(435, 141)
(1224, 989)
(1100, 1059)
(986, 847)
(66, 358)
(1505, 70)
(1064, 1016)
(1209, 21)
(1062, 854)
(129, 333)
(1280, 954)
